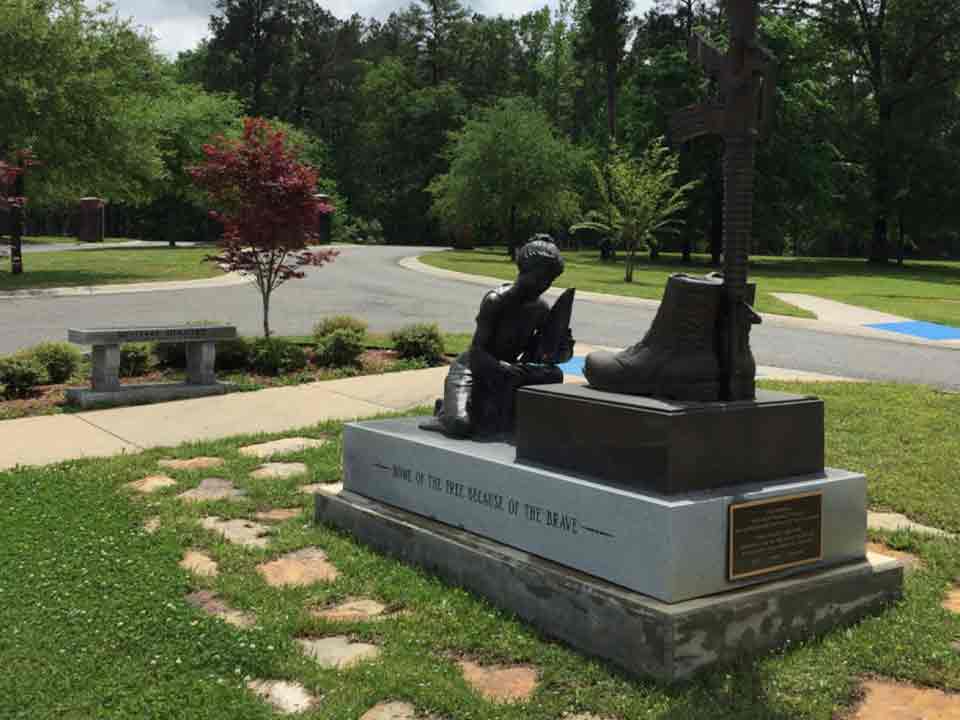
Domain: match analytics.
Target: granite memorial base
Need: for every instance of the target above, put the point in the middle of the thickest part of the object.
(641, 635)
(669, 547)
(659, 584)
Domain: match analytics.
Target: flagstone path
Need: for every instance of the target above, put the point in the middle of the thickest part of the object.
(197, 463)
(883, 700)
(279, 471)
(286, 446)
(338, 651)
(302, 567)
(151, 484)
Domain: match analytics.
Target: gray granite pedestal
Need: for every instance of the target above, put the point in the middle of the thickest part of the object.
(637, 578)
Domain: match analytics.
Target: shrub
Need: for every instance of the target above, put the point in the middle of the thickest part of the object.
(339, 322)
(170, 355)
(58, 359)
(233, 354)
(421, 341)
(134, 359)
(339, 348)
(272, 356)
(19, 374)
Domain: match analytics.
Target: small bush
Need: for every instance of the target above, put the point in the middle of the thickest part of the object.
(134, 359)
(19, 375)
(170, 355)
(339, 322)
(339, 348)
(233, 354)
(273, 357)
(58, 359)
(421, 341)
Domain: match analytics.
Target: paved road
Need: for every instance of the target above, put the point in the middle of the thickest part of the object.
(367, 282)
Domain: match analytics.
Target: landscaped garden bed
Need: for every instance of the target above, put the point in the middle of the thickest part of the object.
(35, 381)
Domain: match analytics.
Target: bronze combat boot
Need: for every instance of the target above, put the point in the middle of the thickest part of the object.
(678, 357)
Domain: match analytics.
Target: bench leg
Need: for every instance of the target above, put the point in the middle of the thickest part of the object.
(106, 368)
(201, 363)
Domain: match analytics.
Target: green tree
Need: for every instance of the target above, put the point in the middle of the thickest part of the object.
(508, 165)
(898, 65)
(642, 198)
(404, 128)
(603, 39)
(81, 110)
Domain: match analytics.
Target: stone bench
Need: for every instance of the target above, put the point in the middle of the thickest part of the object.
(201, 345)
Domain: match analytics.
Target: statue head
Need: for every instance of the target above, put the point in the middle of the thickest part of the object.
(540, 263)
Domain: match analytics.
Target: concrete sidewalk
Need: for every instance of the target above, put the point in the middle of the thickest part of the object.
(44, 440)
(99, 433)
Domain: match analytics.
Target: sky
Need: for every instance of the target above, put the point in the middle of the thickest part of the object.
(181, 24)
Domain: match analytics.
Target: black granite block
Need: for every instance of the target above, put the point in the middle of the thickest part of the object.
(667, 446)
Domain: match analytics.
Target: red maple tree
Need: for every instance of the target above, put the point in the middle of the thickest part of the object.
(266, 200)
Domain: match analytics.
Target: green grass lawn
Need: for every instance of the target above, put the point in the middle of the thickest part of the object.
(918, 290)
(95, 623)
(108, 267)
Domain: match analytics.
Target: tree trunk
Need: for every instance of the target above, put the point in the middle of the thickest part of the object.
(628, 274)
(880, 248)
(612, 99)
(654, 253)
(16, 227)
(266, 315)
(512, 233)
(901, 247)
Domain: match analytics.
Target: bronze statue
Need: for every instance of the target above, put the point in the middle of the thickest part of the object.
(672, 359)
(518, 342)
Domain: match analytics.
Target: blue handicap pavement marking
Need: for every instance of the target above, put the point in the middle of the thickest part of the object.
(925, 330)
(573, 367)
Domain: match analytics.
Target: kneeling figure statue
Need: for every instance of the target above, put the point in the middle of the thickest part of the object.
(518, 342)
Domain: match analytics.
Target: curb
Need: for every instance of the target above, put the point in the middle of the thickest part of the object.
(229, 280)
(785, 321)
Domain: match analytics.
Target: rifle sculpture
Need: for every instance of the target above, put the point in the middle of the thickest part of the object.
(745, 75)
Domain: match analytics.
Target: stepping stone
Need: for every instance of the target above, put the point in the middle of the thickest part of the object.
(211, 604)
(287, 446)
(151, 525)
(952, 601)
(303, 567)
(279, 515)
(910, 562)
(888, 700)
(896, 521)
(391, 711)
(279, 471)
(324, 488)
(212, 489)
(287, 697)
(338, 652)
(240, 532)
(149, 485)
(197, 463)
(352, 610)
(498, 683)
(199, 564)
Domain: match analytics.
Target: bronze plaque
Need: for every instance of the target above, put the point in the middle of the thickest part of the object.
(775, 534)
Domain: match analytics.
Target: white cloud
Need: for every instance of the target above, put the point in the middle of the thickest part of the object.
(181, 24)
